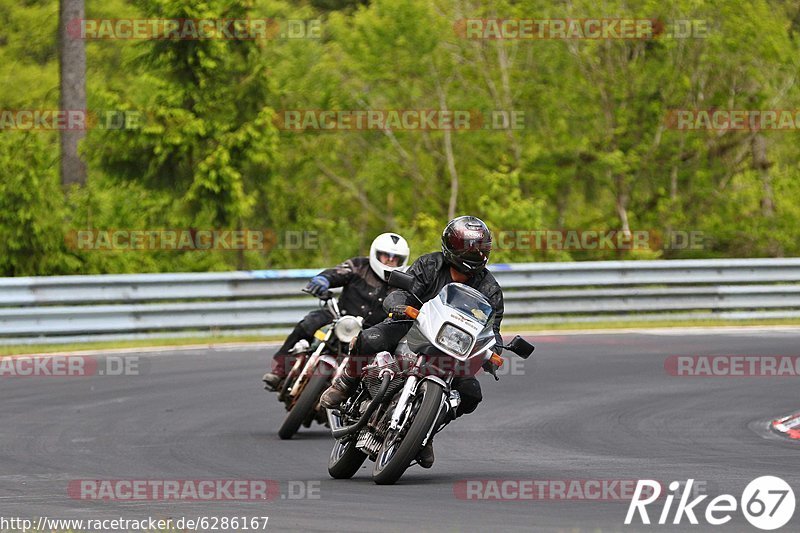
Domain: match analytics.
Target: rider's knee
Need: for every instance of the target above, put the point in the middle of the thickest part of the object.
(367, 344)
(471, 396)
(370, 341)
(311, 323)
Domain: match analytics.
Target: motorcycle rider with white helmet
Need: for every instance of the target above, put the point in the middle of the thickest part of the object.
(365, 287)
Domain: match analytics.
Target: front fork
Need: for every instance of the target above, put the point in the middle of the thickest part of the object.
(450, 401)
(286, 390)
(309, 367)
(409, 388)
(303, 368)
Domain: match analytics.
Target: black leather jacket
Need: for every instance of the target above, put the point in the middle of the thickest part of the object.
(432, 272)
(363, 292)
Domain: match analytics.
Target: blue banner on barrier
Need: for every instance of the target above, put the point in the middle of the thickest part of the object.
(278, 274)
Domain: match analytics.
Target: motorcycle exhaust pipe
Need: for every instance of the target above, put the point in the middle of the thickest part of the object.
(340, 432)
(334, 420)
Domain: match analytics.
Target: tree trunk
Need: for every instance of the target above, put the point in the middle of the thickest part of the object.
(508, 105)
(451, 169)
(761, 164)
(73, 90)
(621, 205)
(449, 155)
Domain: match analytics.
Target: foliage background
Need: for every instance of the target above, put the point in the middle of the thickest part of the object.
(594, 152)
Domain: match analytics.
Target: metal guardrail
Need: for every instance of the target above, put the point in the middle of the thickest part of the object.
(77, 308)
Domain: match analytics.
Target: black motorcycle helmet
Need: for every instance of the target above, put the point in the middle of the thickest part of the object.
(466, 244)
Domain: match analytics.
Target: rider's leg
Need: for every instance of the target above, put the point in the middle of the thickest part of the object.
(378, 338)
(470, 391)
(303, 330)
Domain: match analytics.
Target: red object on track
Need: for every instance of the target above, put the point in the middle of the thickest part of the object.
(788, 426)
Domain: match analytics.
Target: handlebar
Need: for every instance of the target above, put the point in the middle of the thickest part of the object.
(325, 296)
(410, 312)
(328, 299)
(492, 364)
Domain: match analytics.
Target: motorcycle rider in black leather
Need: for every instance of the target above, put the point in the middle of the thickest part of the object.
(466, 245)
(365, 287)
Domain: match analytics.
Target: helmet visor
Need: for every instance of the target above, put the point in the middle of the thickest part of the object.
(473, 256)
(390, 259)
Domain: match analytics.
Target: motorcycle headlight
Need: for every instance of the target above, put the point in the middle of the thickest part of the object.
(347, 328)
(454, 339)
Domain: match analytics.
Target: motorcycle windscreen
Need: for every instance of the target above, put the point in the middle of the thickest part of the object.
(485, 338)
(467, 301)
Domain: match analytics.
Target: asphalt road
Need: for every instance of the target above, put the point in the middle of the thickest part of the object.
(585, 407)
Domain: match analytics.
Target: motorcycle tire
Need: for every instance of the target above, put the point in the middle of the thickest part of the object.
(344, 463)
(304, 406)
(388, 472)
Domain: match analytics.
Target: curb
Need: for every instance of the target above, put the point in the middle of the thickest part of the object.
(788, 426)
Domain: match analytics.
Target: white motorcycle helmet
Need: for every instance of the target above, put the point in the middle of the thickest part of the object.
(392, 245)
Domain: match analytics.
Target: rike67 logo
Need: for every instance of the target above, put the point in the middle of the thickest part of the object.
(767, 503)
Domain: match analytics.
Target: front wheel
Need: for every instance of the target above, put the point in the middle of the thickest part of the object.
(345, 459)
(396, 455)
(304, 406)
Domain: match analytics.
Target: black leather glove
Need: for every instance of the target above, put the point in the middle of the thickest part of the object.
(491, 368)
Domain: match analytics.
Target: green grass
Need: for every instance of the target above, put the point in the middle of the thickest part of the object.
(16, 349)
(532, 328)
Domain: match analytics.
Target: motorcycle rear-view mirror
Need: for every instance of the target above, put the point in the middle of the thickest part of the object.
(401, 280)
(520, 346)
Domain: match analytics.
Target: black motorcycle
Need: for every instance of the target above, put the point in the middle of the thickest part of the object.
(404, 398)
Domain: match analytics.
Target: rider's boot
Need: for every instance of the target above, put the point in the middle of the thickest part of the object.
(274, 378)
(342, 388)
(425, 456)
